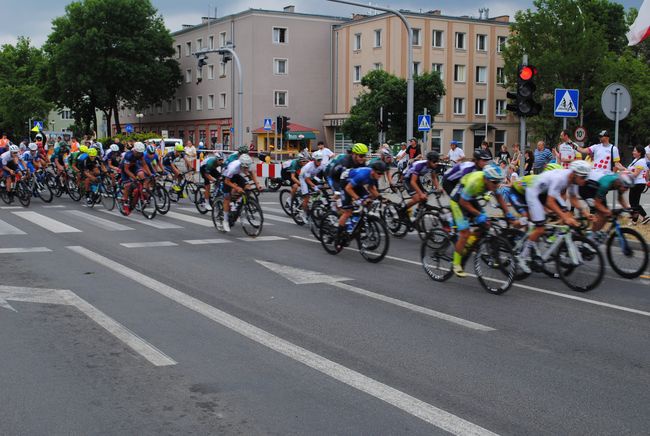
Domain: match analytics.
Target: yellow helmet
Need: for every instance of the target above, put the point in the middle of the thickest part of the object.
(92, 152)
(360, 148)
(83, 148)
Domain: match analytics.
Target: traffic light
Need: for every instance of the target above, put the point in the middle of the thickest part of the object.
(524, 104)
(387, 119)
(278, 124)
(380, 125)
(285, 124)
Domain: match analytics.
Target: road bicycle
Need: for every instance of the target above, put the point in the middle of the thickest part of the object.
(185, 189)
(216, 192)
(246, 209)
(140, 198)
(425, 218)
(39, 187)
(101, 191)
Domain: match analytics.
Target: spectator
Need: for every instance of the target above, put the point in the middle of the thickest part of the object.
(325, 152)
(639, 169)
(414, 151)
(516, 156)
(504, 156)
(529, 159)
(456, 154)
(543, 156)
(190, 152)
(485, 146)
(4, 142)
(402, 157)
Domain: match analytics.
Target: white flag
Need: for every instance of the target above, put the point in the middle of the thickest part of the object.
(640, 30)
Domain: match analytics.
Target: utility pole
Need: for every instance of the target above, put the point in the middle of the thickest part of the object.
(522, 131)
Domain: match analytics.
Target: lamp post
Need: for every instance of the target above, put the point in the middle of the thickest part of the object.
(139, 116)
(410, 92)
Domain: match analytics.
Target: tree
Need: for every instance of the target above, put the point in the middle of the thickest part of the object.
(22, 72)
(389, 91)
(110, 53)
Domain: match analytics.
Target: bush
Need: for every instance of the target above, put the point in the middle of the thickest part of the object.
(126, 136)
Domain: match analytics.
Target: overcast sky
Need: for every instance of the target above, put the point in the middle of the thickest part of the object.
(33, 18)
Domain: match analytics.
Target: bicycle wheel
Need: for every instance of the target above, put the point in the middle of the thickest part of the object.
(73, 190)
(252, 218)
(437, 255)
(328, 233)
(147, 205)
(373, 239)
(44, 192)
(190, 190)
(513, 236)
(217, 215)
(107, 198)
(316, 215)
(199, 200)
(627, 252)
(394, 222)
(272, 183)
(24, 193)
(494, 264)
(426, 223)
(285, 201)
(52, 182)
(589, 271)
(161, 197)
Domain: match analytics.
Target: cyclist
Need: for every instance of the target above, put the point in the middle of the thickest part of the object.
(130, 167)
(168, 162)
(234, 156)
(72, 162)
(290, 172)
(308, 181)
(355, 189)
(386, 157)
(453, 175)
(547, 191)
(90, 167)
(9, 163)
(234, 184)
(343, 164)
(112, 161)
(464, 206)
(153, 163)
(413, 184)
(32, 158)
(210, 171)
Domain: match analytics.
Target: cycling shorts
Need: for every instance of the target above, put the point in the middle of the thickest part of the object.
(461, 218)
(347, 199)
(536, 201)
(238, 180)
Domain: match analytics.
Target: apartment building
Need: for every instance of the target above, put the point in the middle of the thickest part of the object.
(465, 51)
(285, 58)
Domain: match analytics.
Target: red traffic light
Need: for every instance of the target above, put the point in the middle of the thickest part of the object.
(527, 73)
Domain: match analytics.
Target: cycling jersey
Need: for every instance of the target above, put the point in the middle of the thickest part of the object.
(472, 187)
(72, 159)
(29, 159)
(112, 157)
(87, 164)
(6, 158)
(150, 159)
(548, 184)
(361, 176)
(211, 167)
(453, 175)
(309, 171)
(233, 157)
(170, 157)
(420, 167)
(131, 162)
(233, 169)
(606, 184)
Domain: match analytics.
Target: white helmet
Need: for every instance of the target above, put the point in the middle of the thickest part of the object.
(99, 146)
(201, 144)
(33, 146)
(14, 148)
(139, 147)
(580, 168)
(245, 160)
(115, 147)
(626, 178)
(317, 155)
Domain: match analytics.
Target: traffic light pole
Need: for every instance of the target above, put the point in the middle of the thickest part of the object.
(522, 133)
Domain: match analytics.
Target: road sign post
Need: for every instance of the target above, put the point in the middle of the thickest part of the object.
(616, 103)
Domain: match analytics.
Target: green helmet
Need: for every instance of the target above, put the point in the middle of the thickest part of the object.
(360, 148)
(242, 149)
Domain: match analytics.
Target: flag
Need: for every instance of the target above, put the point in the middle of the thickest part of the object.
(640, 30)
(36, 129)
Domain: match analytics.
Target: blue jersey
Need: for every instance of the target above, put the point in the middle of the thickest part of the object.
(150, 159)
(131, 162)
(170, 157)
(421, 168)
(361, 176)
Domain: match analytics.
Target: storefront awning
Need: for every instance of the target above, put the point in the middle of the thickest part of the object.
(295, 136)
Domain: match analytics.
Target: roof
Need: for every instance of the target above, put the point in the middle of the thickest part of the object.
(251, 11)
(494, 20)
(293, 127)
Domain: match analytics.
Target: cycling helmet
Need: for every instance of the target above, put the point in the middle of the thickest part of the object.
(359, 148)
(83, 148)
(626, 178)
(242, 150)
(385, 152)
(378, 167)
(552, 166)
(115, 147)
(33, 146)
(98, 146)
(482, 155)
(201, 144)
(433, 156)
(179, 147)
(92, 152)
(580, 168)
(317, 155)
(138, 147)
(218, 155)
(14, 148)
(245, 160)
(493, 172)
(151, 149)
(303, 157)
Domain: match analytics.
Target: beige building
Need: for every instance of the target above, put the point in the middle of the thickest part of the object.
(285, 58)
(466, 52)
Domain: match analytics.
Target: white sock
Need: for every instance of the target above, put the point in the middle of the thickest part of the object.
(525, 252)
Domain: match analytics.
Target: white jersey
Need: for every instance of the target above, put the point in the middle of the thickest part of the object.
(603, 159)
(234, 168)
(310, 170)
(327, 154)
(552, 183)
(6, 157)
(567, 153)
(641, 163)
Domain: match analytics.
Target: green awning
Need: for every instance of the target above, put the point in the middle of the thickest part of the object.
(296, 136)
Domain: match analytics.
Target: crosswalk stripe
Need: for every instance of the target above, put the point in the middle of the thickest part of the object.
(158, 224)
(97, 221)
(148, 244)
(8, 229)
(25, 250)
(206, 241)
(191, 219)
(11, 207)
(263, 238)
(278, 218)
(47, 223)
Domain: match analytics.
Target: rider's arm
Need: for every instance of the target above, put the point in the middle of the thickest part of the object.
(349, 189)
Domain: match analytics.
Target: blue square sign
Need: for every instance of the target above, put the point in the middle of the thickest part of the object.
(424, 123)
(566, 103)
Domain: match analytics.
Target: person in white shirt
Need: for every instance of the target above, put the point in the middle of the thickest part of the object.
(455, 154)
(605, 157)
(566, 151)
(402, 158)
(190, 152)
(639, 169)
(325, 153)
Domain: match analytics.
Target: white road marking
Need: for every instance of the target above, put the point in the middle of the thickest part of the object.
(206, 241)
(11, 207)
(58, 206)
(97, 221)
(148, 244)
(8, 229)
(302, 276)
(409, 404)
(412, 262)
(191, 219)
(47, 223)
(269, 202)
(25, 250)
(67, 297)
(158, 224)
(263, 239)
(277, 218)
(530, 288)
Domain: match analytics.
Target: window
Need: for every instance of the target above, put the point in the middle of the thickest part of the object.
(416, 68)
(178, 51)
(280, 98)
(501, 108)
(222, 100)
(160, 108)
(460, 40)
(188, 48)
(501, 77)
(210, 72)
(279, 66)
(199, 73)
(439, 68)
(458, 136)
(357, 41)
(436, 38)
(188, 104)
(499, 138)
(222, 69)
(416, 37)
(66, 114)
(222, 39)
(169, 106)
(479, 106)
(501, 43)
(188, 75)
(481, 74)
(210, 101)
(438, 108)
(178, 105)
(199, 44)
(357, 73)
(436, 140)
(378, 38)
(459, 106)
(481, 42)
(211, 42)
(199, 103)
(459, 73)
(279, 35)
(378, 66)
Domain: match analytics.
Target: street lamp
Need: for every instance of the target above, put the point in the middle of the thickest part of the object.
(139, 116)
(409, 79)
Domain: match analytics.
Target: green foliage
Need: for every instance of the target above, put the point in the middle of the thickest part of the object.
(107, 53)
(22, 68)
(389, 91)
(134, 136)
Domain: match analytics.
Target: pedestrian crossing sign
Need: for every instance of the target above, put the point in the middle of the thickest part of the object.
(38, 126)
(566, 102)
(424, 123)
(268, 124)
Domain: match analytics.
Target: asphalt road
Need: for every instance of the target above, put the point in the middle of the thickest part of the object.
(206, 333)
